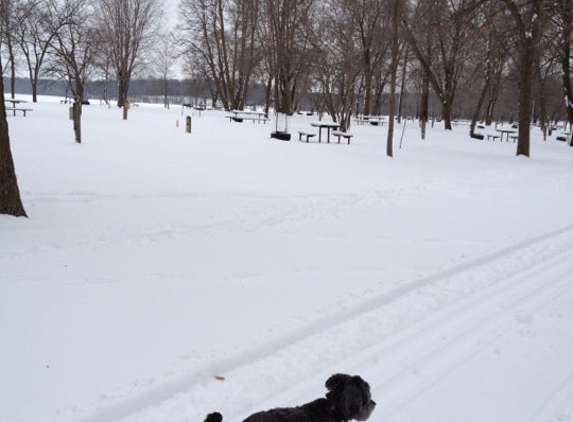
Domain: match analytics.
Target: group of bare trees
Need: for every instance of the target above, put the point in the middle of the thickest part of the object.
(347, 52)
(346, 56)
(79, 40)
(76, 40)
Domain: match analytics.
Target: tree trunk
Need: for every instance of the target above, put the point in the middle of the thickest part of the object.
(10, 202)
(122, 90)
(165, 92)
(393, 77)
(34, 83)
(77, 115)
(526, 57)
(479, 106)
(268, 94)
(402, 85)
(447, 114)
(12, 66)
(424, 103)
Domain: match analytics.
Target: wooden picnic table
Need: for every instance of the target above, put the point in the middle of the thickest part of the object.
(14, 109)
(240, 115)
(14, 101)
(373, 120)
(325, 125)
(506, 131)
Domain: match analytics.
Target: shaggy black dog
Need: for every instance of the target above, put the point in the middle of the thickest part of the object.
(348, 398)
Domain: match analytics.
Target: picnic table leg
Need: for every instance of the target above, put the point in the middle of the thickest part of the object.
(328, 135)
(319, 134)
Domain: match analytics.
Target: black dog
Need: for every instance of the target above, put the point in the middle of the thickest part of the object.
(348, 398)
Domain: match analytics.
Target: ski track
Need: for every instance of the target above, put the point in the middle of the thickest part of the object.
(446, 341)
(436, 342)
(558, 407)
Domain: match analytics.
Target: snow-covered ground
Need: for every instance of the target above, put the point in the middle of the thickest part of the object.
(163, 275)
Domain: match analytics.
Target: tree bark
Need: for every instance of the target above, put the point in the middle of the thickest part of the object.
(525, 95)
(424, 103)
(393, 78)
(10, 202)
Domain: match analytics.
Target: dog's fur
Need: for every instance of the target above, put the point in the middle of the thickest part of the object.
(348, 398)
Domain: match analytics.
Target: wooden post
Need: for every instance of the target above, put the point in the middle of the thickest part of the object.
(125, 108)
(188, 124)
(77, 116)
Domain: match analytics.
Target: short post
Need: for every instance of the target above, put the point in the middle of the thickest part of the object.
(77, 117)
(188, 124)
(125, 108)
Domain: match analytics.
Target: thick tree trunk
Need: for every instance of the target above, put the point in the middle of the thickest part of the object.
(122, 90)
(34, 83)
(525, 95)
(447, 114)
(10, 202)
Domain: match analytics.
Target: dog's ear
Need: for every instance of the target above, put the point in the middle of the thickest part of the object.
(335, 380)
(214, 417)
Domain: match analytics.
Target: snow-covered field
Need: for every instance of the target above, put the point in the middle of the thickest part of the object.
(164, 275)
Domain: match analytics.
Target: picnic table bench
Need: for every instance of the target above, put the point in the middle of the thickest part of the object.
(307, 135)
(240, 115)
(15, 109)
(344, 135)
(492, 135)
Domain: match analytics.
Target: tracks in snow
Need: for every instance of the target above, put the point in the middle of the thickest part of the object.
(417, 359)
(391, 338)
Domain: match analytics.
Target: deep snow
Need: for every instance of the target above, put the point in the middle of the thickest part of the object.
(155, 262)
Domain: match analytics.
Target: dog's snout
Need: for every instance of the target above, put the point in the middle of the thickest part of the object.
(372, 403)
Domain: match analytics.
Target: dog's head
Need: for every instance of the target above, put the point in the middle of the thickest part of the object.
(350, 396)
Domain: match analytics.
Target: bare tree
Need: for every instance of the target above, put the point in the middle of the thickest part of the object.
(128, 29)
(166, 54)
(12, 14)
(74, 53)
(441, 34)
(74, 47)
(490, 58)
(527, 17)
(338, 60)
(395, 57)
(370, 20)
(10, 202)
(562, 19)
(221, 33)
(43, 20)
(286, 28)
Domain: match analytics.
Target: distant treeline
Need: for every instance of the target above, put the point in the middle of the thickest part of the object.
(180, 91)
(140, 89)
